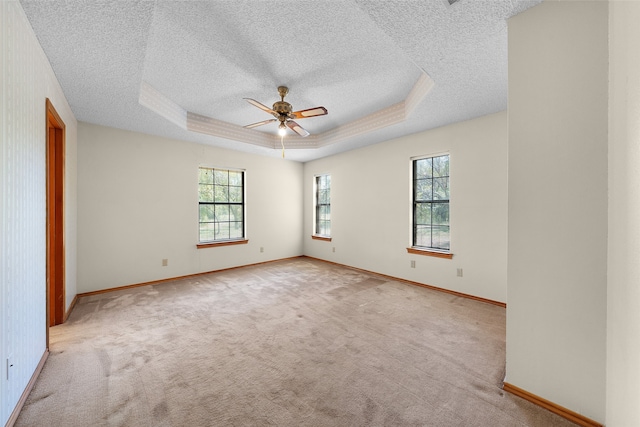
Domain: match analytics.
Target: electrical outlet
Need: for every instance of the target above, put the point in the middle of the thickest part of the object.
(261, 249)
(459, 272)
(413, 263)
(165, 262)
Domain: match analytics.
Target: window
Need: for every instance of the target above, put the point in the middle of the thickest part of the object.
(323, 206)
(221, 204)
(431, 203)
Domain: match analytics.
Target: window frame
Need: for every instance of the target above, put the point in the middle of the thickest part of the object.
(433, 250)
(317, 206)
(230, 240)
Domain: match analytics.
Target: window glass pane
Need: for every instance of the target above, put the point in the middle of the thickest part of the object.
(324, 228)
(323, 205)
(423, 189)
(323, 197)
(440, 214)
(423, 235)
(222, 212)
(235, 178)
(235, 194)
(221, 177)
(423, 168)
(235, 213)
(423, 213)
(206, 213)
(221, 193)
(235, 230)
(441, 188)
(221, 204)
(441, 166)
(205, 193)
(324, 213)
(205, 176)
(222, 231)
(431, 202)
(207, 232)
(441, 237)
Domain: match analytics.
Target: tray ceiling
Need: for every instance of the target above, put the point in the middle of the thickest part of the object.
(382, 69)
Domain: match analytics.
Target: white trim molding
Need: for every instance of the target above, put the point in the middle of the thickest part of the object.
(394, 114)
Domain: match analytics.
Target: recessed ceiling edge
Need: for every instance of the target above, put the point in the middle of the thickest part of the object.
(155, 101)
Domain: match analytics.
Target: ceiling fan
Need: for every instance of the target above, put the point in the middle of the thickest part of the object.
(282, 112)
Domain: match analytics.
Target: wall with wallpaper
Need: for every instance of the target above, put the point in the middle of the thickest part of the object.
(27, 80)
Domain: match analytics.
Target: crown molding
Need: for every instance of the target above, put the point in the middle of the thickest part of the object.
(211, 126)
(155, 101)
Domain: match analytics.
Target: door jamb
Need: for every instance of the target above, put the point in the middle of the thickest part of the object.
(55, 164)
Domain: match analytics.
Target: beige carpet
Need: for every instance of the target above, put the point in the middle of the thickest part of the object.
(292, 343)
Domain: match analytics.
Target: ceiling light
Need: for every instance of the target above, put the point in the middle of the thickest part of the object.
(282, 129)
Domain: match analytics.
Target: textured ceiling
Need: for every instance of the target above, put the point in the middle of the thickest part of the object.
(359, 59)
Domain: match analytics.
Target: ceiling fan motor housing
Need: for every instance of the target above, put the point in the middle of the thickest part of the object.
(283, 112)
(282, 108)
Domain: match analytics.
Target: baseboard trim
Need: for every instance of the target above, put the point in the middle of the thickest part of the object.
(16, 411)
(574, 417)
(68, 312)
(170, 279)
(422, 285)
(410, 282)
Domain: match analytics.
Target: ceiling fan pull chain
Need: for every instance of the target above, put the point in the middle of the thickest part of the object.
(282, 142)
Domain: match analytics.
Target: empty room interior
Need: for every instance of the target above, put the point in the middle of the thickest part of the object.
(320, 213)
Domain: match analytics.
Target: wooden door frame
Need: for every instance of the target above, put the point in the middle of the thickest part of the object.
(55, 163)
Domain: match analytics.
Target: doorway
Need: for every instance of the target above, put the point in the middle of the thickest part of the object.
(55, 218)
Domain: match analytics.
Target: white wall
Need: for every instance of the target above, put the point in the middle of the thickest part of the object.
(27, 80)
(138, 204)
(623, 297)
(557, 268)
(371, 207)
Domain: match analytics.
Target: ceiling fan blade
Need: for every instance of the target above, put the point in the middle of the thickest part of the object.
(261, 106)
(264, 122)
(297, 128)
(310, 112)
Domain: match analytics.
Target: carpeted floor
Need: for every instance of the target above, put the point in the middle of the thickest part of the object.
(296, 342)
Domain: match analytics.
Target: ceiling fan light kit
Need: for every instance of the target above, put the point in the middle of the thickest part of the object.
(283, 112)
